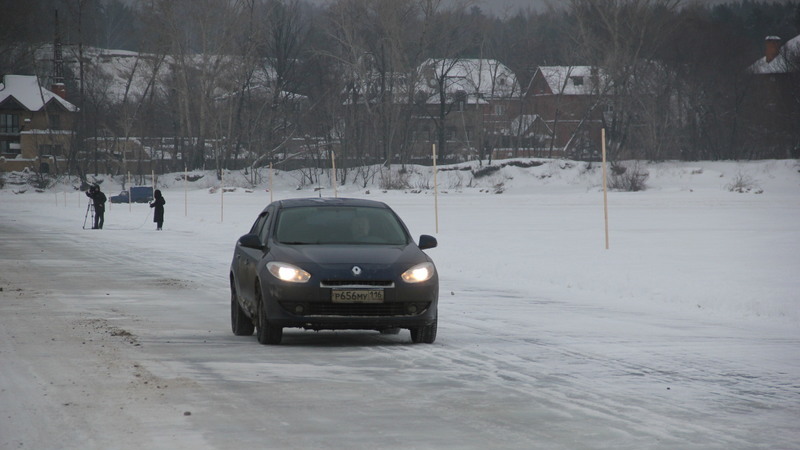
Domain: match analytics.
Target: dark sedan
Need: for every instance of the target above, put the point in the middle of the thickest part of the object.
(332, 263)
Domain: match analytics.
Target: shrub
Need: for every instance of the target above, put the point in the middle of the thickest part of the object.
(394, 180)
(628, 179)
(742, 183)
(41, 180)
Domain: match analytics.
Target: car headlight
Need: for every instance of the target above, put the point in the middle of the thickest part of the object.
(419, 273)
(287, 272)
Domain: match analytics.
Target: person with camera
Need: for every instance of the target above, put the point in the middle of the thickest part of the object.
(99, 203)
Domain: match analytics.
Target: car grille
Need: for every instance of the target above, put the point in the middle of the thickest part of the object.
(355, 309)
(354, 283)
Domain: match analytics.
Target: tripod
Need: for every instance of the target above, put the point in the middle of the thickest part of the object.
(89, 212)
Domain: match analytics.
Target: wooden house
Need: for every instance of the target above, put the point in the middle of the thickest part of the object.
(36, 125)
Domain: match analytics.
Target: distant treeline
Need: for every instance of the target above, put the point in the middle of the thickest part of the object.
(305, 58)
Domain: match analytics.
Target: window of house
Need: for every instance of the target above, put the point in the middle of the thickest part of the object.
(9, 123)
(55, 121)
(461, 99)
(577, 81)
(499, 110)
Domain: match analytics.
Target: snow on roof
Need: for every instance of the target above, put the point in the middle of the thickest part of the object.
(484, 77)
(124, 74)
(787, 60)
(25, 90)
(570, 80)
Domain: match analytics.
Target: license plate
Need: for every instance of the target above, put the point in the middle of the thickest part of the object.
(357, 296)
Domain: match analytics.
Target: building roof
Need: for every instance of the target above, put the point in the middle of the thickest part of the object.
(787, 60)
(25, 89)
(486, 78)
(570, 80)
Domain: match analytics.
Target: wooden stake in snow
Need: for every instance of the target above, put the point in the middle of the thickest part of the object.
(605, 189)
(270, 182)
(333, 164)
(129, 190)
(435, 191)
(185, 192)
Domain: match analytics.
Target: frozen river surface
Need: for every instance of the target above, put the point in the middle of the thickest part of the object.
(120, 338)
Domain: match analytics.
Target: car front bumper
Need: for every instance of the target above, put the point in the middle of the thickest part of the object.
(312, 307)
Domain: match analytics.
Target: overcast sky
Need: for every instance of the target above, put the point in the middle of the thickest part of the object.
(503, 8)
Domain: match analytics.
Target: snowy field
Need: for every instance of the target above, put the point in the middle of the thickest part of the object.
(684, 334)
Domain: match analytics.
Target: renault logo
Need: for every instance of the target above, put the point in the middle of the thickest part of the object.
(356, 270)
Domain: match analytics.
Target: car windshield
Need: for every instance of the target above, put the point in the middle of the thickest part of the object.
(339, 225)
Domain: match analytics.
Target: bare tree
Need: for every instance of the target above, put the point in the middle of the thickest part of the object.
(200, 38)
(621, 36)
(445, 39)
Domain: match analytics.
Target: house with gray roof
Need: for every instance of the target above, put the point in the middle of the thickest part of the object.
(36, 125)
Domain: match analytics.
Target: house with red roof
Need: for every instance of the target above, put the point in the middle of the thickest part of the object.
(567, 100)
(774, 104)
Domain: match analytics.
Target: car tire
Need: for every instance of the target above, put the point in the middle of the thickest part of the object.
(241, 325)
(267, 334)
(425, 334)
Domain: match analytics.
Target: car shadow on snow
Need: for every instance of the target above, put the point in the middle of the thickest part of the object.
(342, 338)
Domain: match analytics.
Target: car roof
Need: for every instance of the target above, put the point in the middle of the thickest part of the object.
(328, 201)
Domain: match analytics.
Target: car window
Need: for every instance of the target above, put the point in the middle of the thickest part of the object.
(262, 234)
(339, 225)
(259, 225)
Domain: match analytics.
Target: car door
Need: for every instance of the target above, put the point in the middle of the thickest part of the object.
(247, 259)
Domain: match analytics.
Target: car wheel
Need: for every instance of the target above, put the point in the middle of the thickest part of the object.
(424, 335)
(266, 333)
(241, 325)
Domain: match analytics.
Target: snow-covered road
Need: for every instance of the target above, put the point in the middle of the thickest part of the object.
(121, 339)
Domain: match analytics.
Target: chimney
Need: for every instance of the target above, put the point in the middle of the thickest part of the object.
(58, 87)
(771, 47)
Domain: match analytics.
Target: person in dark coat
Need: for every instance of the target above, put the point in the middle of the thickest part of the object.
(99, 203)
(158, 204)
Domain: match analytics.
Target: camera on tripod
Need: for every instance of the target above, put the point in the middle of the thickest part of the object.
(96, 207)
(89, 213)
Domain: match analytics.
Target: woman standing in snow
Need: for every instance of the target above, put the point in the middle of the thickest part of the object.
(158, 204)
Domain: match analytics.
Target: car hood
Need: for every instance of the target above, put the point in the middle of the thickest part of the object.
(326, 255)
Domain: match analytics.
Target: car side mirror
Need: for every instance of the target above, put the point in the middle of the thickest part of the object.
(426, 241)
(251, 241)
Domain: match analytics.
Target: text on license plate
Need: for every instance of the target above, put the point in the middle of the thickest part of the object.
(357, 296)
